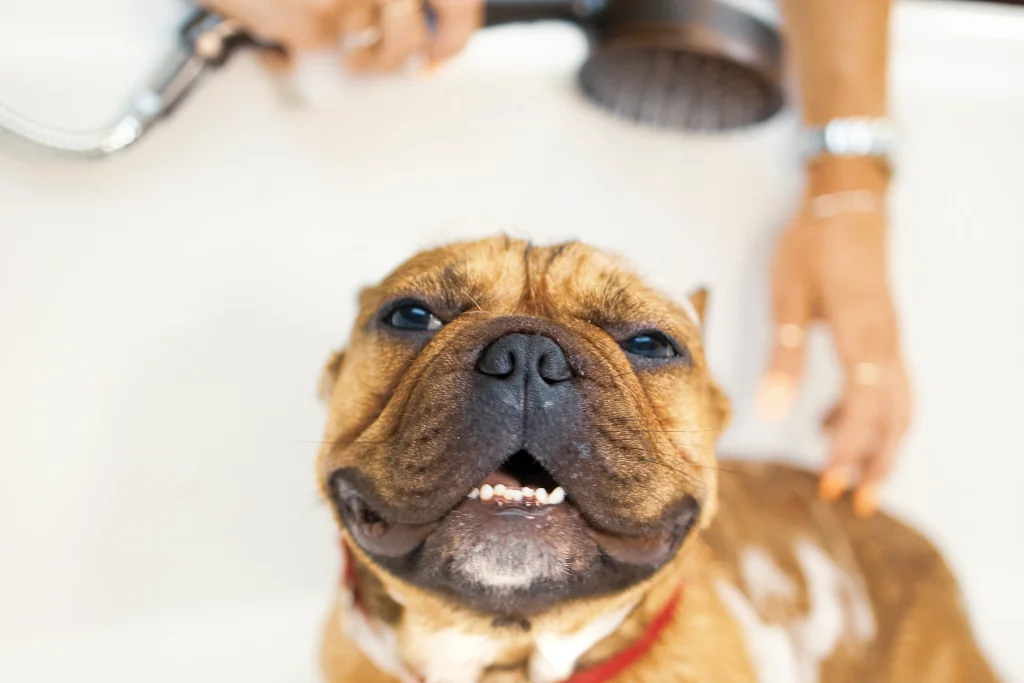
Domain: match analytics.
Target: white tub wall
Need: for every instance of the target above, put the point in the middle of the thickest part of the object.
(165, 314)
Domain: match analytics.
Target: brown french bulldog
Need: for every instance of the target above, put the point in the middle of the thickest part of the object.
(520, 454)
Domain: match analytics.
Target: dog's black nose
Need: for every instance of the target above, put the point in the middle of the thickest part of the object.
(520, 358)
(525, 396)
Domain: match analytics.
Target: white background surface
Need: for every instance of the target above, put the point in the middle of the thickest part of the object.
(164, 315)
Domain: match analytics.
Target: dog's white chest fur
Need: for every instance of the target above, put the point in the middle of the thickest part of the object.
(453, 656)
(555, 655)
(448, 655)
(790, 651)
(793, 651)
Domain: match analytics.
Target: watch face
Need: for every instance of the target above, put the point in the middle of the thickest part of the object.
(852, 137)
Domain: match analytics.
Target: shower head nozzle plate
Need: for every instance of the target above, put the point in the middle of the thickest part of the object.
(679, 89)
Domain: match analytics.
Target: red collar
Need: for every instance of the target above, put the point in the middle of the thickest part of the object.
(599, 673)
(610, 668)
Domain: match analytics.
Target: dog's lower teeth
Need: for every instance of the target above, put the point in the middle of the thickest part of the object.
(501, 494)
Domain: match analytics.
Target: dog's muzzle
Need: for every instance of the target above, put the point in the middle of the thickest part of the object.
(513, 471)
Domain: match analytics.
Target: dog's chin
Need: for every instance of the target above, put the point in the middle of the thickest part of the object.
(515, 551)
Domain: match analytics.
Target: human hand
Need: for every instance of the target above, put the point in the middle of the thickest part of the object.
(393, 31)
(296, 24)
(830, 266)
(373, 35)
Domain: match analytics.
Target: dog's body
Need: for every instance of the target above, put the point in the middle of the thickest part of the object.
(479, 374)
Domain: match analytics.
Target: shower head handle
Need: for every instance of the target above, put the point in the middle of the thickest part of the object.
(581, 12)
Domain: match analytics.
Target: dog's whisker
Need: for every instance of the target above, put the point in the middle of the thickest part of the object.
(662, 431)
(475, 303)
(662, 462)
(619, 375)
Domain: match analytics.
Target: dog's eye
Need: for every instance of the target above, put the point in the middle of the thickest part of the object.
(414, 317)
(650, 345)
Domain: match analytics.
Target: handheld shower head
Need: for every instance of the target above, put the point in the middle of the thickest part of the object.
(204, 43)
(698, 65)
(690, 64)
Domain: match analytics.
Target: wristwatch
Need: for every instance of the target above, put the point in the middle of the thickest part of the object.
(852, 137)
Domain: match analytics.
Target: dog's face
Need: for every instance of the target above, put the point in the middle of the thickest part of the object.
(514, 426)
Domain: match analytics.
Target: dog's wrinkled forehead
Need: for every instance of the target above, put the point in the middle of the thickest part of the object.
(504, 276)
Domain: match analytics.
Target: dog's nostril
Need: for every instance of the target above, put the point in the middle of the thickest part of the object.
(526, 354)
(498, 359)
(552, 366)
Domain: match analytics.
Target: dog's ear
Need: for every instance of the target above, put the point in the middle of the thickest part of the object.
(699, 301)
(329, 376)
(721, 406)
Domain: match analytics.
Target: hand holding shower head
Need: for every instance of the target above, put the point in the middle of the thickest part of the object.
(689, 64)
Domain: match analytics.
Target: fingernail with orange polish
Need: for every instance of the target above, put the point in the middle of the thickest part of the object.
(865, 502)
(431, 66)
(833, 483)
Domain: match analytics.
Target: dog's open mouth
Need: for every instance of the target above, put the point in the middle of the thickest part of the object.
(515, 531)
(520, 498)
(520, 487)
(520, 482)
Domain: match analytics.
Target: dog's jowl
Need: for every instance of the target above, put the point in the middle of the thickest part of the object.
(520, 454)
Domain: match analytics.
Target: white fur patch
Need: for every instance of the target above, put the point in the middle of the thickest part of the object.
(504, 563)
(449, 655)
(826, 582)
(486, 572)
(765, 581)
(555, 656)
(769, 646)
(837, 607)
(793, 652)
(378, 642)
(454, 656)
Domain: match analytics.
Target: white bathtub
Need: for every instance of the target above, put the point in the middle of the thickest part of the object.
(165, 314)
